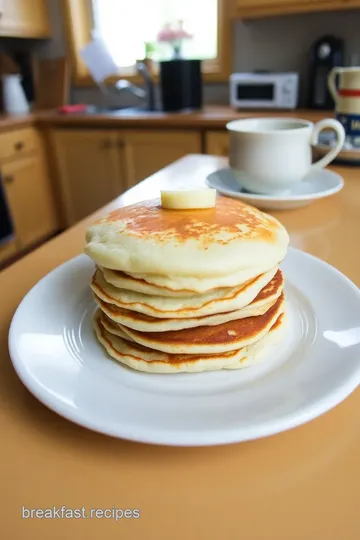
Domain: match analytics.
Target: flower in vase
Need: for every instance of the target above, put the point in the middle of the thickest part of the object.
(174, 36)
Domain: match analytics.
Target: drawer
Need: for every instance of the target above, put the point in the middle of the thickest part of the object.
(15, 143)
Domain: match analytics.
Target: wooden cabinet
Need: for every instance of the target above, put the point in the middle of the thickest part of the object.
(96, 166)
(7, 251)
(27, 188)
(248, 9)
(90, 171)
(146, 152)
(30, 199)
(24, 18)
(217, 143)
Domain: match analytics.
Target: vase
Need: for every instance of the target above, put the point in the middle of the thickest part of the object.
(176, 52)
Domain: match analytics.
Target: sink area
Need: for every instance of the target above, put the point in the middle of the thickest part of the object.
(93, 110)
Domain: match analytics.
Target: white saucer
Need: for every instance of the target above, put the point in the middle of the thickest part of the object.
(317, 185)
(57, 357)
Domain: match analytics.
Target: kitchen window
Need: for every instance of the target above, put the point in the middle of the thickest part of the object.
(130, 29)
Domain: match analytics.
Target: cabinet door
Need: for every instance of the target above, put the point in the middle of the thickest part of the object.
(217, 143)
(24, 18)
(30, 200)
(89, 169)
(148, 151)
(7, 251)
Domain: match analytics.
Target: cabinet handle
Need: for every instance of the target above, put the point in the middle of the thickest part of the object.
(106, 143)
(19, 146)
(8, 179)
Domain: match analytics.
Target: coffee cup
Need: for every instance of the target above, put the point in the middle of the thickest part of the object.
(268, 155)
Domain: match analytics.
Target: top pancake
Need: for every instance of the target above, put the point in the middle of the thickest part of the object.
(145, 238)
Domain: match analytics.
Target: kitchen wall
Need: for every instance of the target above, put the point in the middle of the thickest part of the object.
(282, 43)
(278, 43)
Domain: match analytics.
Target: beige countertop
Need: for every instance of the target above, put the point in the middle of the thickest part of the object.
(303, 484)
(211, 117)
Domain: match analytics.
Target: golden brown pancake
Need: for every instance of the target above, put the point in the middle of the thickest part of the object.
(188, 246)
(216, 301)
(145, 323)
(224, 337)
(121, 280)
(144, 359)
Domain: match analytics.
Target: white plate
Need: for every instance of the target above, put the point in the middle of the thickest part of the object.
(316, 185)
(57, 357)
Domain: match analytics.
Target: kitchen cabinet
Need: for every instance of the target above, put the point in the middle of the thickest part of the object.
(24, 18)
(217, 143)
(30, 199)
(148, 151)
(248, 9)
(7, 251)
(89, 170)
(94, 166)
(28, 188)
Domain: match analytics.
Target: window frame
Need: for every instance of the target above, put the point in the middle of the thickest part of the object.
(78, 19)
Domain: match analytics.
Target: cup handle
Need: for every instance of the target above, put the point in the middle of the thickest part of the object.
(331, 82)
(340, 132)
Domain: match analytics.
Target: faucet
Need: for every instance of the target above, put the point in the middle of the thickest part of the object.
(148, 94)
(149, 85)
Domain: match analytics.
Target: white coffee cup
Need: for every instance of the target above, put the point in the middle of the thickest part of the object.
(267, 155)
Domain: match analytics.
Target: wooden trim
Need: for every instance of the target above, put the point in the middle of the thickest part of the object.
(292, 7)
(78, 23)
(77, 20)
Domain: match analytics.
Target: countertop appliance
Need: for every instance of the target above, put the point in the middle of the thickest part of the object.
(264, 90)
(325, 54)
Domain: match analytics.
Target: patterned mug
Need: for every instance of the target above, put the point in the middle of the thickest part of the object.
(347, 100)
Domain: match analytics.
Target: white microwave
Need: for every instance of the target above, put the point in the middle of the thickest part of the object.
(264, 90)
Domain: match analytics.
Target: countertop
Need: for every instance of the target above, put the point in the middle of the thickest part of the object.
(210, 117)
(303, 484)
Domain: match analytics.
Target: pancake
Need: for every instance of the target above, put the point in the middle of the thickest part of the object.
(143, 359)
(145, 323)
(216, 301)
(145, 238)
(179, 285)
(221, 338)
(120, 280)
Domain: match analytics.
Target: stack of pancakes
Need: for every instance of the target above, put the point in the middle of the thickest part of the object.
(188, 290)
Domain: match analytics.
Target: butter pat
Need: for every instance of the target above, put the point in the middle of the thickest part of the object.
(187, 199)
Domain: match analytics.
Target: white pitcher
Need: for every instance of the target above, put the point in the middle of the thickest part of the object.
(347, 98)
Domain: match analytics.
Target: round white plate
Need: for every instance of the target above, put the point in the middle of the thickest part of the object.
(57, 357)
(316, 185)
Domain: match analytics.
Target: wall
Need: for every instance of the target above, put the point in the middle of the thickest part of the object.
(279, 43)
(282, 43)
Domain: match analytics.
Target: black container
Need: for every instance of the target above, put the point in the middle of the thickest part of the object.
(181, 85)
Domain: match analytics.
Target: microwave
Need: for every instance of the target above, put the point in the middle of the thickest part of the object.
(264, 90)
